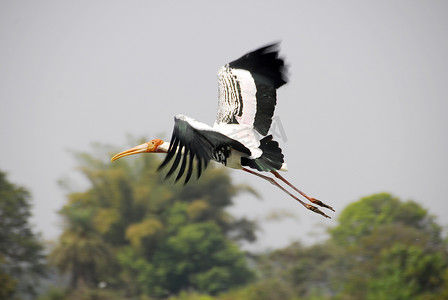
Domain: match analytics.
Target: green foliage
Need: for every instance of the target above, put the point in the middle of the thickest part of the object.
(382, 248)
(191, 296)
(362, 217)
(168, 241)
(8, 285)
(375, 225)
(54, 293)
(406, 272)
(302, 271)
(80, 294)
(21, 258)
(271, 289)
(198, 256)
(81, 251)
(164, 237)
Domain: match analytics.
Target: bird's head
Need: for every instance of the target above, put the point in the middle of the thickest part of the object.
(154, 146)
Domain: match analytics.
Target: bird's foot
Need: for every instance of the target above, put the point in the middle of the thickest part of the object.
(316, 210)
(320, 203)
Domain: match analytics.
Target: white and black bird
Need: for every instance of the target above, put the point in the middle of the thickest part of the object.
(246, 102)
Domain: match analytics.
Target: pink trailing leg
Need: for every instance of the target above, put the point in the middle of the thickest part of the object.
(313, 200)
(272, 181)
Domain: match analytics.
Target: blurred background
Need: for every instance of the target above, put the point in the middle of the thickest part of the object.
(364, 111)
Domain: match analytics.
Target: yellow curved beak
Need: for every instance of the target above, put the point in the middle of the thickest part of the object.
(143, 148)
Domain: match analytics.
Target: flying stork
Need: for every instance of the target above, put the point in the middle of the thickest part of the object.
(246, 102)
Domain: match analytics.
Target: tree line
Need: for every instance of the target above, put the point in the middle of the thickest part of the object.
(133, 235)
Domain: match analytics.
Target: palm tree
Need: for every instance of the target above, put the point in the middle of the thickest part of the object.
(81, 250)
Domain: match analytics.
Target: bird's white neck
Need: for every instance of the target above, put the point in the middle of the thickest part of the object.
(163, 147)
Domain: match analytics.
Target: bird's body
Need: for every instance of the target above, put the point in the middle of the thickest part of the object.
(242, 134)
(239, 138)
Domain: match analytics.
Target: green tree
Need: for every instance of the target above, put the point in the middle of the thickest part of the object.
(21, 254)
(375, 225)
(381, 248)
(81, 252)
(198, 256)
(166, 237)
(407, 272)
(360, 218)
(300, 271)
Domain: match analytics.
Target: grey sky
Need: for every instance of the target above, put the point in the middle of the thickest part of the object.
(364, 112)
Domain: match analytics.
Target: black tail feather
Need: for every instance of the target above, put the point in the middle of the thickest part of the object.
(270, 160)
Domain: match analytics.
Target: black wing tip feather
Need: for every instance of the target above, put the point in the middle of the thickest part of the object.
(199, 144)
(184, 142)
(265, 61)
(182, 160)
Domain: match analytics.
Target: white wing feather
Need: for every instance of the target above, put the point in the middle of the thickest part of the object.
(236, 96)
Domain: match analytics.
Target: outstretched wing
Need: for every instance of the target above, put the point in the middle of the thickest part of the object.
(192, 139)
(247, 89)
